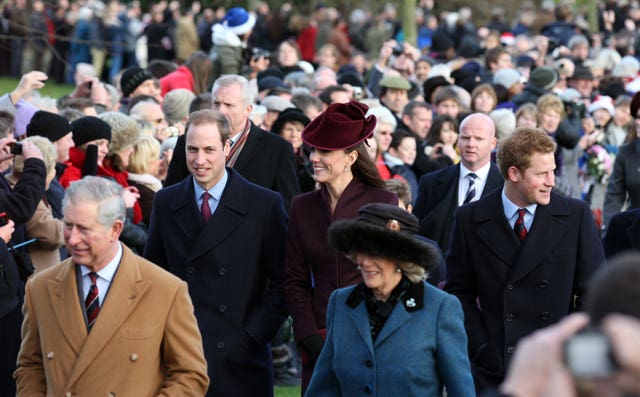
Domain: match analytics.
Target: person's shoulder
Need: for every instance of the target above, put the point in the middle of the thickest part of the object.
(55, 272)
(446, 172)
(269, 138)
(149, 271)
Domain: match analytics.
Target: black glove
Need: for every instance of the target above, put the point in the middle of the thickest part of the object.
(90, 166)
(312, 345)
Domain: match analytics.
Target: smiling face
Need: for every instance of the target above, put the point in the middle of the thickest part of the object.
(379, 274)
(89, 243)
(332, 166)
(406, 150)
(206, 154)
(384, 134)
(534, 184)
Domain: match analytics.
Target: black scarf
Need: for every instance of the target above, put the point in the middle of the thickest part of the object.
(379, 311)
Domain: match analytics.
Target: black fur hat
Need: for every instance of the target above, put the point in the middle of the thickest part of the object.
(385, 231)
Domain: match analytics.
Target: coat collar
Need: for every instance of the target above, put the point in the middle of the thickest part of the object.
(411, 301)
(233, 206)
(125, 292)
(548, 229)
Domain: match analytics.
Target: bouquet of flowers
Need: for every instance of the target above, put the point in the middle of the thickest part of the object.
(598, 163)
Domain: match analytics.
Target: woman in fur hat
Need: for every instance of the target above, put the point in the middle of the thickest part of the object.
(392, 334)
(348, 179)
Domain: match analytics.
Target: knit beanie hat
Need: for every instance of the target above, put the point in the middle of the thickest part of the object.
(24, 113)
(132, 78)
(125, 131)
(239, 21)
(90, 128)
(176, 104)
(48, 125)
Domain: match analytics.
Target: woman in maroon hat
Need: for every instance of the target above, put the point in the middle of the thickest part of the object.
(348, 179)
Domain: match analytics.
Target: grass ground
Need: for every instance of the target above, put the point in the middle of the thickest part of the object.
(50, 89)
(55, 91)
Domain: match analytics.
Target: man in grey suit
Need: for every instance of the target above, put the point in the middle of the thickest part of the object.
(442, 191)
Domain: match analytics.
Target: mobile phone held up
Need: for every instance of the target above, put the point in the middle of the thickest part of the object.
(15, 148)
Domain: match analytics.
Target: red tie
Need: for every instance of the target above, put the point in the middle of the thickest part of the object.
(205, 210)
(92, 303)
(519, 227)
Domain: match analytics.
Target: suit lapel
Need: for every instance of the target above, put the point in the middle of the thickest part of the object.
(493, 230)
(360, 319)
(227, 217)
(398, 317)
(184, 208)
(63, 293)
(494, 180)
(125, 291)
(548, 229)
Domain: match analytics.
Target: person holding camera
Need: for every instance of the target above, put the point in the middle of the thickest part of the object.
(520, 257)
(229, 53)
(19, 204)
(586, 354)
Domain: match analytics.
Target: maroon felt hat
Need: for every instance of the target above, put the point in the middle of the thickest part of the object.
(341, 126)
(635, 104)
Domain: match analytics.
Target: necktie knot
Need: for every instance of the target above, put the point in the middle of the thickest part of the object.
(93, 276)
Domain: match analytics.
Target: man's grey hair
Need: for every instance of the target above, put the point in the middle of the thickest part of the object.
(107, 193)
(234, 79)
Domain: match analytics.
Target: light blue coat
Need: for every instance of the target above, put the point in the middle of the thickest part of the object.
(421, 348)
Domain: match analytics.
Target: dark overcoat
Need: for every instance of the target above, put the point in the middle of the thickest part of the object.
(234, 266)
(438, 199)
(623, 233)
(509, 289)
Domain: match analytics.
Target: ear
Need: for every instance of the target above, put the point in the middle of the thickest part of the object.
(115, 230)
(226, 148)
(352, 156)
(513, 174)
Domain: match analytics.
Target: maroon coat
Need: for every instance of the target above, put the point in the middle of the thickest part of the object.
(313, 270)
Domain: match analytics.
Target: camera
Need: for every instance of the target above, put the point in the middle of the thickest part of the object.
(3, 218)
(588, 354)
(397, 50)
(357, 92)
(258, 53)
(15, 148)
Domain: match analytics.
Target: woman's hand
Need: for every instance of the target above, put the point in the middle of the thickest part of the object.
(7, 230)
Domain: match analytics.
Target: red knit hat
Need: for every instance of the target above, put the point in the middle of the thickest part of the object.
(341, 126)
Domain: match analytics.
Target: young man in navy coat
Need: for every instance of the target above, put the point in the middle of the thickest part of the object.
(520, 258)
(226, 238)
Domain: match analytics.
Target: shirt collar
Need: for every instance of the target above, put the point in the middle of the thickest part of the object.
(215, 191)
(510, 208)
(482, 172)
(108, 271)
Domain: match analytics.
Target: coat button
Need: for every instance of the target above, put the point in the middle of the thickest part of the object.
(368, 389)
(50, 356)
(68, 394)
(510, 349)
(222, 308)
(190, 270)
(133, 357)
(222, 271)
(220, 345)
(544, 315)
(368, 363)
(509, 287)
(112, 394)
(508, 317)
(543, 284)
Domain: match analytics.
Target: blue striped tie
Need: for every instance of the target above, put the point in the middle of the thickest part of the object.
(471, 192)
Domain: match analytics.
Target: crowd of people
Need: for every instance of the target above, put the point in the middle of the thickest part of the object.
(232, 198)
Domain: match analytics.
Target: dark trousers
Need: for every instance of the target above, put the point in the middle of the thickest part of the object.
(10, 336)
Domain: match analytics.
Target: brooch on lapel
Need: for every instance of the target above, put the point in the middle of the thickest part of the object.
(410, 302)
